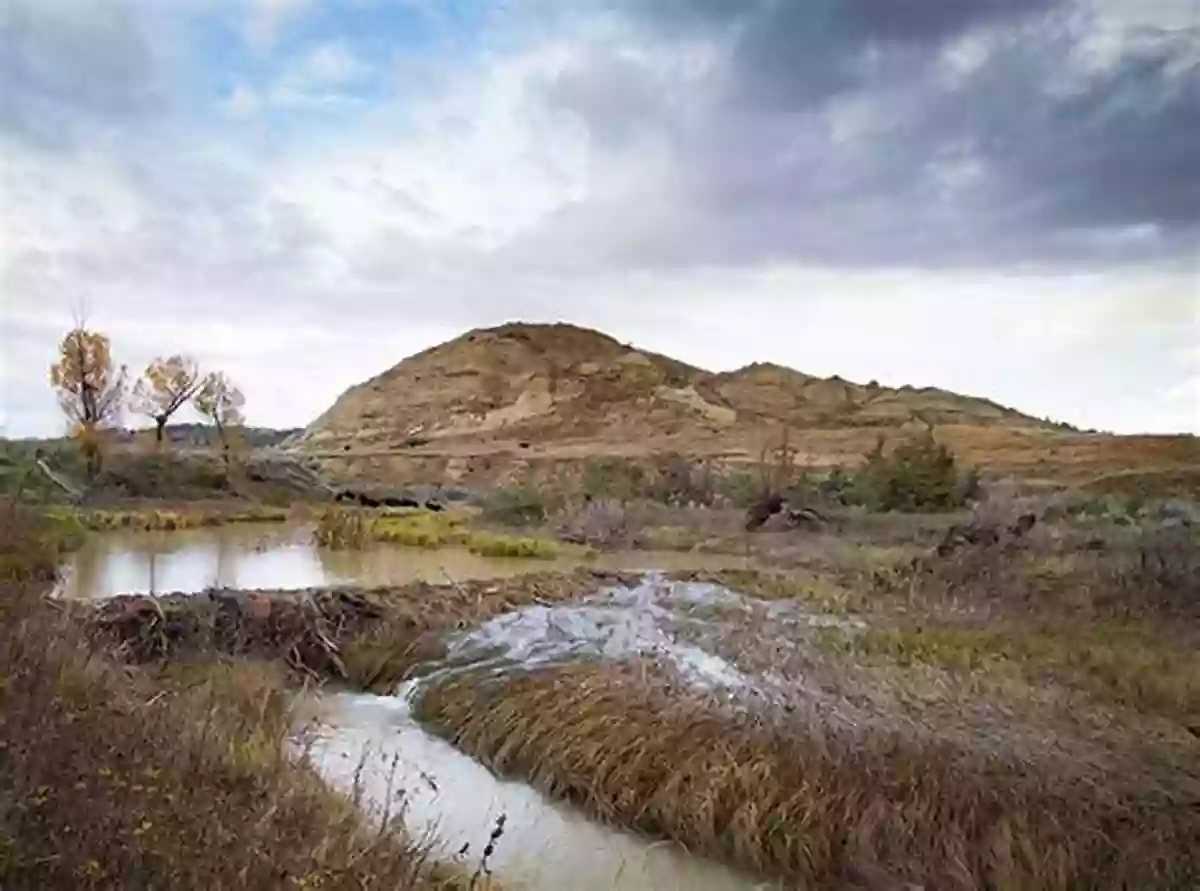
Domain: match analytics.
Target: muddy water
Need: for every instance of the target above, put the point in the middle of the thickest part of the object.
(282, 557)
(372, 742)
(441, 793)
(373, 745)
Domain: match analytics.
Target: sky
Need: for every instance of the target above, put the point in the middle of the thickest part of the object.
(999, 197)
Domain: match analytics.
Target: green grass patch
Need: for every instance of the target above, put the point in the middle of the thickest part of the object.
(417, 528)
(668, 538)
(488, 545)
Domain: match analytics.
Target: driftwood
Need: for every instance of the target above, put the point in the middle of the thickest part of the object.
(76, 494)
(796, 518)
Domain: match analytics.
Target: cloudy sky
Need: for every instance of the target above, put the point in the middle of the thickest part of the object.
(996, 196)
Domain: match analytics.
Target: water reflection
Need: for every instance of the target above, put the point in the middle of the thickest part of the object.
(284, 557)
(193, 560)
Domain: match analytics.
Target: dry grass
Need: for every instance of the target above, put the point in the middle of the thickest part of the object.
(1119, 664)
(110, 781)
(806, 802)
(155, 519)
(353, 528)
(340, 528)
(817, 592)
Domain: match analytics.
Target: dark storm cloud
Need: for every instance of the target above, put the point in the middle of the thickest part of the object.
(1024, 154)
(886, 19)
(1126, 149)
(63, 59)
(793, 52)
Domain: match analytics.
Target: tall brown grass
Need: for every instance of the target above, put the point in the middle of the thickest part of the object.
(340, 528)
(110, 781)
(813, 804)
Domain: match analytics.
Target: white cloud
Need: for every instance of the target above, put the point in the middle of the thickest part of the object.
(329, 64)
(265, 19)
(242, 102)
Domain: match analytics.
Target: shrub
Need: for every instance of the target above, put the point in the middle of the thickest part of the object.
(615, 478)
(741, 488)
(837, 485)
(522, 504)
(919, 475)
(1162, 574)
(675, 482)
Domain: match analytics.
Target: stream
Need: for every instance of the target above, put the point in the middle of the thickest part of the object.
(371, 748)
(371, 745)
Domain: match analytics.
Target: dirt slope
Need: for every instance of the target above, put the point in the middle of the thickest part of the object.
(558, 393)
(555, 383)
(527, 382)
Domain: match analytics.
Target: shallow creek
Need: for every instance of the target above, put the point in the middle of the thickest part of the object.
(444, 795)
(372, 743)
(372, 748)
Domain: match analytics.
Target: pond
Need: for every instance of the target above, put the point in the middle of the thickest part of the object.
(284, 557)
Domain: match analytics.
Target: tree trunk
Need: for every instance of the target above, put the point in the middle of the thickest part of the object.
(160, 423)
(224, 441)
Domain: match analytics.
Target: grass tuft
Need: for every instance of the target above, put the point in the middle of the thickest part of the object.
(514, 546)
(153, 519)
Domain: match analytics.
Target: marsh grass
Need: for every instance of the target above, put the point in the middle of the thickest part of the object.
(353, 528)
(1117, 663)
(491, 545)
(32, 543)
(176, 777)
(108, 779)
(378, 660)
(793, 798)
(341, 528)
(815, 591)
(154, 519)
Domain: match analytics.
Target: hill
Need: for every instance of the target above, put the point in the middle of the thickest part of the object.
(557, 384)
(484, 405)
